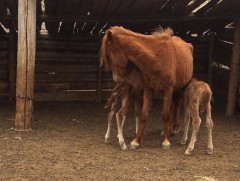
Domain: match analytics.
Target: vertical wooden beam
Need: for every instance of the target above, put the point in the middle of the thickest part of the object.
(12, 64)
(235, 62)
(25, 63)
(210, 57)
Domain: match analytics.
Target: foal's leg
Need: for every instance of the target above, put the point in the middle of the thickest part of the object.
(147, 103)
(137, 107)
(196, 121)
(209, 125)
(121, 117)
(166, 117)
(186, 125)
(110, 118)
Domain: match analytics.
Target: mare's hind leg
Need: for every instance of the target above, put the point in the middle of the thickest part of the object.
(196, 121)
(121, 117)
(147, 103)
(177, 104)
(110, 118)
(209, 125)
(166, 117)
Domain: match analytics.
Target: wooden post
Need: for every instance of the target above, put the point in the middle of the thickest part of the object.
(233, 81)
(12, 65)
(210, 57)
(25, 63)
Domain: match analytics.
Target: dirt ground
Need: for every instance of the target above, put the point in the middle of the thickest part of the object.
(67, 143)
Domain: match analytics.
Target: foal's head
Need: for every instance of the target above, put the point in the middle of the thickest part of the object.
(113, 59)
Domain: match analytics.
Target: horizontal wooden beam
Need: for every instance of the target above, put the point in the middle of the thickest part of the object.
(123, 18)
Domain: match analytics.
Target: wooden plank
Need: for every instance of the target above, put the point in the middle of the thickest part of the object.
(56, 87)
(234, 74)
(204, 10)
(66, 55)
(65, 77)
(81, 59)
(66, 96)
(68, 68)
(193, 6)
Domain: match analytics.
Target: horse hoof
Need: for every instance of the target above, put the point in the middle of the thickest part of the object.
(183, 142)
(166, 146)
(123, 145)
(187, 153)
(134, 146)
(210, 151)
(106, 140)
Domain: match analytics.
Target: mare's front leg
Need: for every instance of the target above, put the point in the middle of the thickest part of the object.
(166, 117)
(147, 103)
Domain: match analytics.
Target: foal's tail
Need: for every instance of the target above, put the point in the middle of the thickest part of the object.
(118, 91)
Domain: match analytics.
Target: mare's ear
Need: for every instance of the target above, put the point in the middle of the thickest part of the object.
(109, 37)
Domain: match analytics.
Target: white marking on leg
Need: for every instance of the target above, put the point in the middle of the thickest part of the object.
(110, 118)
(137, 123)
(186, 126)
(120, 131)
(195, 125)
(209, 125)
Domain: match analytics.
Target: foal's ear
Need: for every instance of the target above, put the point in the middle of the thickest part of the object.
(110, 37)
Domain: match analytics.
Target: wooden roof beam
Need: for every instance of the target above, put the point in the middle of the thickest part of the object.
(122, 18)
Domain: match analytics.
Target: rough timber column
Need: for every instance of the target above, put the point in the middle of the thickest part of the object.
(233, 82)
(25, 63)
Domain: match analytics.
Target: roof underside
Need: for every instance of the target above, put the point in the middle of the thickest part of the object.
(93, 17)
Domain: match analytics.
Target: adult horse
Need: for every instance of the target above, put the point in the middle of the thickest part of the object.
(166, 64)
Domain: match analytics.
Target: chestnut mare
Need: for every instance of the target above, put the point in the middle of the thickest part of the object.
(166, 64)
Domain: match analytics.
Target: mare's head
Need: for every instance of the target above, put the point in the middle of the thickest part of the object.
(112, 57)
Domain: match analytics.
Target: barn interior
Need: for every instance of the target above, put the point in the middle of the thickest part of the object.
(69, 33)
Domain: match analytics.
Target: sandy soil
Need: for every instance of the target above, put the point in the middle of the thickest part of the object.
(67, 143)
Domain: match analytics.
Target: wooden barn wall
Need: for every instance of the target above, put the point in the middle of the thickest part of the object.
(200, 55)
(67, 68)
(222, 60)
(3, 66)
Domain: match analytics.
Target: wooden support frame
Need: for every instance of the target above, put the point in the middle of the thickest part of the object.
(210, 57)
(25, 63)
(123, 19)
(233, 81)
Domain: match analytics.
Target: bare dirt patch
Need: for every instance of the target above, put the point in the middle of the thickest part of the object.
(67, 143)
